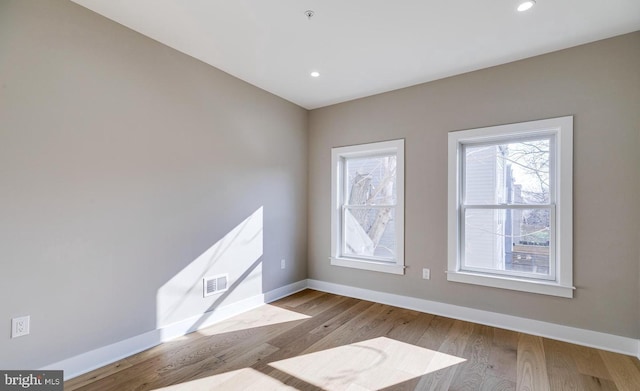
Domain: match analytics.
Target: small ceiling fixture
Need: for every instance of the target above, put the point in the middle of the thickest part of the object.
(526, 5)
(315, 74)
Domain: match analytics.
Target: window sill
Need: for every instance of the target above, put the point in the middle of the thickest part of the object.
(368, 265)
(516, 284)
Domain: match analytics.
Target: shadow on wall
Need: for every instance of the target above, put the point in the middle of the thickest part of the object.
(238, 254)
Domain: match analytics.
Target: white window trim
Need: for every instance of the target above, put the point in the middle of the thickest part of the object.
(562, 129)
(337, 188)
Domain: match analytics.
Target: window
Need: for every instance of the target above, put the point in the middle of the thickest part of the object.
(367, 207)
(510, 206)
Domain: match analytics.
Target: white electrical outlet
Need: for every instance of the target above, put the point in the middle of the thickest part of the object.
(283, 264)
(20, 326)
(426, 274)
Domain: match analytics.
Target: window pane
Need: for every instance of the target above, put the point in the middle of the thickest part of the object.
(510, 173)
(507, 240)
(371, 180)
(370, 232)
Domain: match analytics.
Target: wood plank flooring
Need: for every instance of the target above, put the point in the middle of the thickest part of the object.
(318, 341)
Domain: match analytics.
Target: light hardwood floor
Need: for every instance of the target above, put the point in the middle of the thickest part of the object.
(319, 341)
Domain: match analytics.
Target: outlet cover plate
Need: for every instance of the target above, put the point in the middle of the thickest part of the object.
(426, 274)
(20, 326)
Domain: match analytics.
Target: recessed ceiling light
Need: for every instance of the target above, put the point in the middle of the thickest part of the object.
(526, 5)
(315, 74)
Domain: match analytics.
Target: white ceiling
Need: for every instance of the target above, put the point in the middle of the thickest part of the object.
(364, 47)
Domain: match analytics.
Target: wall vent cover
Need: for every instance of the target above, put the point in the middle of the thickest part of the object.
(215, 284)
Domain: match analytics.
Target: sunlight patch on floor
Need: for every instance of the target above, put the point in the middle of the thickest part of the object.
(369, 365)
(241, 379)
(266, 315)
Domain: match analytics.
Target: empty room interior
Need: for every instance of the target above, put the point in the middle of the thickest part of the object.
(320, 195)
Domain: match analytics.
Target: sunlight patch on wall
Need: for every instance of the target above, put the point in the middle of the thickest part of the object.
(237, 254)
(372, 365)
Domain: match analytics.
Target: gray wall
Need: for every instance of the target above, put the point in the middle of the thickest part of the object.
(599, 84)
(121, 162)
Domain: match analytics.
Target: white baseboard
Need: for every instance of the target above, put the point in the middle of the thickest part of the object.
(595, 339)
(85, 362)
(285, 291)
